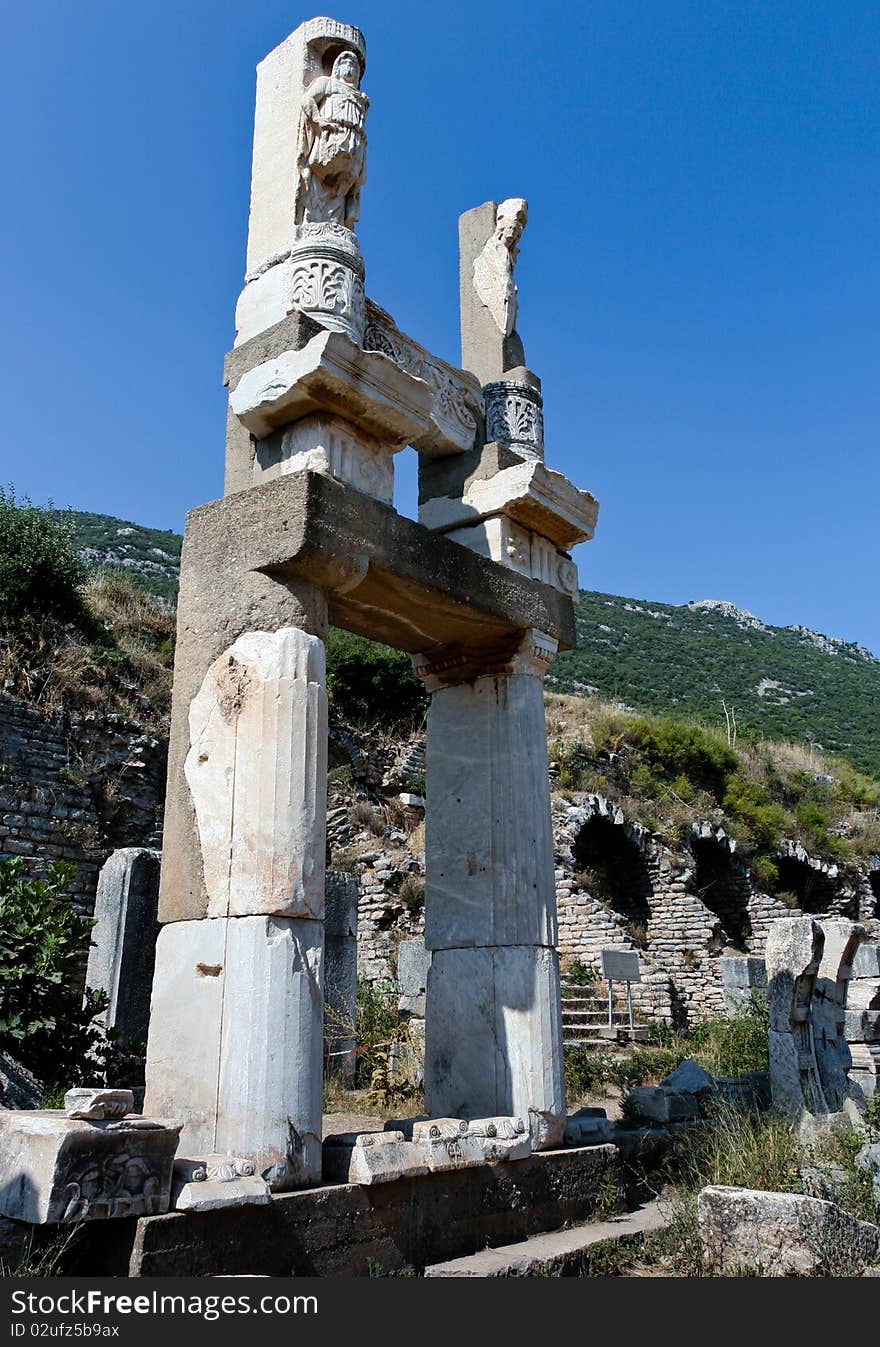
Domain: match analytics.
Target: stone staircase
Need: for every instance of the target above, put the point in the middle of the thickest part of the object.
(585, 1018)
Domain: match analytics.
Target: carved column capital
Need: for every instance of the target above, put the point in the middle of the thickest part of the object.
(530, 652)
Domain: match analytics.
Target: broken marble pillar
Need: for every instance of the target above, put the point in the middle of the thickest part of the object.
(340, 972)
(212, 1181)
(123, 945)
(235, 1041)
(257, 769)
(307, 173)
(493, 1029)
(588, 1127)
(741, 974)
(54, 1168)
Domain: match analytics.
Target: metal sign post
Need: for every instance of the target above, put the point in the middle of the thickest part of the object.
(621, 965)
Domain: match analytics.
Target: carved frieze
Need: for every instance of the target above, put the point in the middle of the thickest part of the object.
(457, 404)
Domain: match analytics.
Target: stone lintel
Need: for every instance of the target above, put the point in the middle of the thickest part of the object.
(385, 576)
(528, 493)
(332, 373)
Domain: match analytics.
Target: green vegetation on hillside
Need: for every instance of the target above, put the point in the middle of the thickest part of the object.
(663, 658)
(71, 639)
(672, 772)
(148, 557)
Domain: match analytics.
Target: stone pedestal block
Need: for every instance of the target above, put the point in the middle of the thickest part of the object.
(235, 1041)
(54, 1168)
(124, 939)
(493, 1038)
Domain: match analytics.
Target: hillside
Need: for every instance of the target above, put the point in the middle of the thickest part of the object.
(152, 556)
(789, 683)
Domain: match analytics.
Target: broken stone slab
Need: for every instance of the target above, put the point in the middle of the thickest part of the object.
(331, 373)
(123, 948)
(533, 496)
(340, 971)
(747, 1231)
(372, 1157)
(19, 1087)
(751, 1090)
(689, 1078)
(54, 1168)
(658, 1104)
(98, 1105)
(446, 1153)
(501, 1139)
(214, 1181)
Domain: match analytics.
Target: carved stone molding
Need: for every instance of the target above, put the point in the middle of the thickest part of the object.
(514, 416)
(530, 652)
(457, 403)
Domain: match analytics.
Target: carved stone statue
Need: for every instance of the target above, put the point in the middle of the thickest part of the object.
(493, 267)
(333, 145)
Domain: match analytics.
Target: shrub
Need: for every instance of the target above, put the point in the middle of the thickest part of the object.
(679, 751)
(41, 574)
(755, 818)
(581, 974)
(43, 1021)
(371, 684)
(738, 1044)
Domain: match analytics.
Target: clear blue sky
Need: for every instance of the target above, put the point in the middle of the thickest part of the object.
(699, 280)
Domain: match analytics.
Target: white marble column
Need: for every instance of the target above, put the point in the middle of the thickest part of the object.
(235, 1044)
(493, 1019)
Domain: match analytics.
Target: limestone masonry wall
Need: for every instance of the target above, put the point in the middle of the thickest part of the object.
(75, 788)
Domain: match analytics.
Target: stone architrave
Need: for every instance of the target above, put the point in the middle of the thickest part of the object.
(309, 164)
(493, 1033)
(54, 1168)
(123, 947)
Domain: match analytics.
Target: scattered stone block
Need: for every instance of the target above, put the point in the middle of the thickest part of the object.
(749, 1091)
(54, 1168)
(340, 971)
(217, 1181)
(747, 1231)
(658, 1104)
(98, 1105)
(588, 1127)
(868, 1159)
(690, 1078)
(372, 1157)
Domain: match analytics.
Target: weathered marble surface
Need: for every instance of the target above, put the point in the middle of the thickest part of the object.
(257, 770)
(54, 1168)
(123, 947)
(235, 1041)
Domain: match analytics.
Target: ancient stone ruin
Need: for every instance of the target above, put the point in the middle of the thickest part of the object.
(324, 390)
